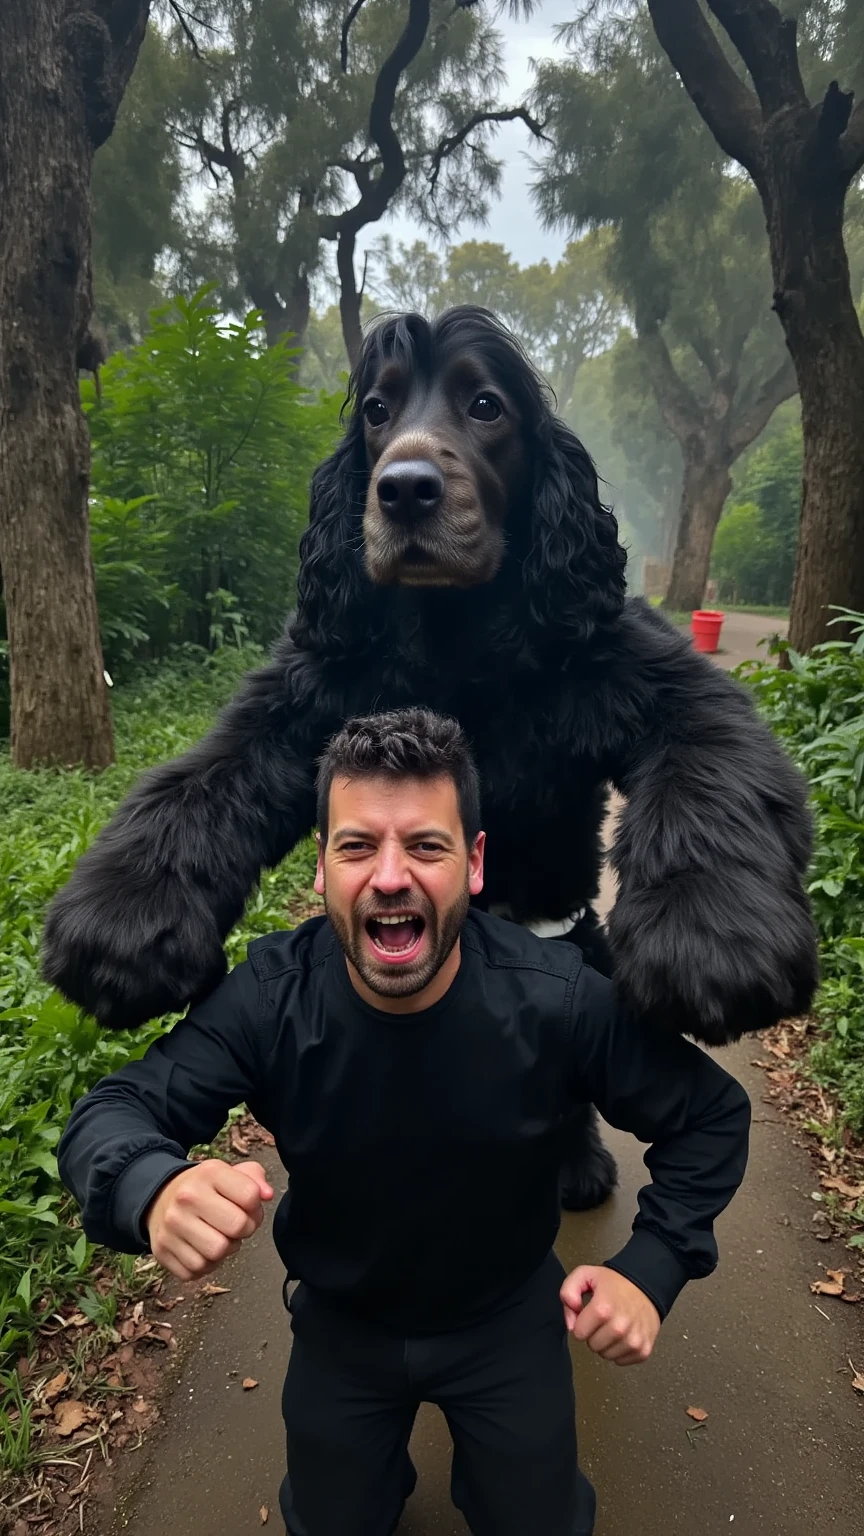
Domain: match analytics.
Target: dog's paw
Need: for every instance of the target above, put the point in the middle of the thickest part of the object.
(132, 958)
(586, 1184)
(714, 957)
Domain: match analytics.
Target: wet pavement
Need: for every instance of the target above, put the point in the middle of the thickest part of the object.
(780, 1454)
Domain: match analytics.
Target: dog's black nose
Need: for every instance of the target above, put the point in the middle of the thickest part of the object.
(409, 489)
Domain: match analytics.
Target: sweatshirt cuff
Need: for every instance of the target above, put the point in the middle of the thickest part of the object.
(652, 1265)
(136, 1187)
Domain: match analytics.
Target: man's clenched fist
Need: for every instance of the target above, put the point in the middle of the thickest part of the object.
(610, 1313)
(203, 1213)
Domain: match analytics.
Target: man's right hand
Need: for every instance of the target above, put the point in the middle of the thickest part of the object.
(204, 1213)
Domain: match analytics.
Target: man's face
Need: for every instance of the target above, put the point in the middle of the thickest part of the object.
(396, 877)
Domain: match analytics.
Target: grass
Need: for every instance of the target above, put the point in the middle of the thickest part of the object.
(50, 1053)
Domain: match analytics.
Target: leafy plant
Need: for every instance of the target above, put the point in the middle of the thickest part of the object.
(50, 1053)
(817, 708)
(203, 447)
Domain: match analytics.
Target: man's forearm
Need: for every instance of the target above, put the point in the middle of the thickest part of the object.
(114, 1160)
(673, 1234)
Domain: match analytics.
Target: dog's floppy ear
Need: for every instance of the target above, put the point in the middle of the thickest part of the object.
(333, 589)
(574, 571)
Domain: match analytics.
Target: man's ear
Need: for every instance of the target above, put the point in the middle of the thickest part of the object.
(319, 872)
(475, 864)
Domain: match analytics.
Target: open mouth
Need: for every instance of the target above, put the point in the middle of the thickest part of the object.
(396, 937)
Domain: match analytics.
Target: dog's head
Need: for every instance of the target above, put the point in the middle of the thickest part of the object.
(452, 467)
(445, 412)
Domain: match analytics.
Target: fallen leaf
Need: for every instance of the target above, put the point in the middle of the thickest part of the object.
(77, 1320)
(843, 1187)
(214, 1290)
(698, 1414)
(852, 1296)
(857, 1378)
(248, 1383)
(55, 1386)
(264, 1514)
(127, 1329)
(781, 1049)
(827, 1287)
(781, 1078)
(139, 1405)
(238, 1140)
(137, 1311)
(69, 1416)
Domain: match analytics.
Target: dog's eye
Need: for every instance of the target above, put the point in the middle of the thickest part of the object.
(376, 413)
(485, 408)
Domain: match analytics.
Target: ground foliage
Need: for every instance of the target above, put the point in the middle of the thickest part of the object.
(817, 708)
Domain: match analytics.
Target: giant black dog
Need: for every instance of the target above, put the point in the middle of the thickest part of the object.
(458, 556)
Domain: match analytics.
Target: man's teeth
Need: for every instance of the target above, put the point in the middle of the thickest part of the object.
(403, 917)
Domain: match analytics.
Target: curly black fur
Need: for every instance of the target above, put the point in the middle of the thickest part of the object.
(562, 686)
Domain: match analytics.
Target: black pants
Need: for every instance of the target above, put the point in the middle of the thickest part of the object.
(504, 1385)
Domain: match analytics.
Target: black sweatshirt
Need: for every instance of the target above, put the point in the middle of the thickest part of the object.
(423, 1149)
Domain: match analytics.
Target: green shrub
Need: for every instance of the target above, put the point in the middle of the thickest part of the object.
(753, 558)
(203, 447)
(817, 708)
(746, 559)
(50, 1053)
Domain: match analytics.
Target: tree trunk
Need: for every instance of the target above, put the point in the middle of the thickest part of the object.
(813, 298)
(350, 296)
(706, 485)
(62, 75)
(283, 316)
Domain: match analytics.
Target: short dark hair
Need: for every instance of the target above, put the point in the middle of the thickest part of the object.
(405, 743)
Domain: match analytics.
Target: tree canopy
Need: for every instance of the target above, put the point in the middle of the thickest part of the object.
(308, 122)
(685, 250)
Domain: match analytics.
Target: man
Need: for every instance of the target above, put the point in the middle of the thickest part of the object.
(416, 1061)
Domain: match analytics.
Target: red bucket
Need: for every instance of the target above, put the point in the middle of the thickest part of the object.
(706, 625)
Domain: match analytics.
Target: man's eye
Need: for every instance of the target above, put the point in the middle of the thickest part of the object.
(485, 408)
(376, 413)
(428, 847)
(354, 848)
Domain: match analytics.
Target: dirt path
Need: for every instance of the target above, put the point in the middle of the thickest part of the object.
(780, 1453)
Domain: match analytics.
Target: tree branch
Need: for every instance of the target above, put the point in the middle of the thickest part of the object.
(767, 42)
(346, 28)
(452, 142)
(678, 405)
(852, 142)
(754, 418)
(705, 353)
(227, 156)
(728, 107)
(187, 30)
(375, 198)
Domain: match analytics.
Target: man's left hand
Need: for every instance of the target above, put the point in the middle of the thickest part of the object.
(616, 1320)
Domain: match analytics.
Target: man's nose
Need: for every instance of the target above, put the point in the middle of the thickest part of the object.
(391, 872)
(410, 490)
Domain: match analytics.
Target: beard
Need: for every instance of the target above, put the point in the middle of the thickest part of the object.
(440, 932)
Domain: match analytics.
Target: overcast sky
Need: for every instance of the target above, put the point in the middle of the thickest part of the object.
(512, 220)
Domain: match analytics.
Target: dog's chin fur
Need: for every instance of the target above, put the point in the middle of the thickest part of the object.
(456, 556)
